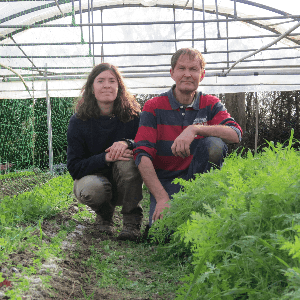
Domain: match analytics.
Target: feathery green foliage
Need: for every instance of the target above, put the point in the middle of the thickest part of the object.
(236, 221)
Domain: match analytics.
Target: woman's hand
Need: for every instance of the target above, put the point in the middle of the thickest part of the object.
(127, 155)
(118, 151)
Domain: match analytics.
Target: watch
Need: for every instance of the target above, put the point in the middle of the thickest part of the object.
(129, 143)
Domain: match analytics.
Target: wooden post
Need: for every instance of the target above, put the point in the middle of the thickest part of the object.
(235, 105)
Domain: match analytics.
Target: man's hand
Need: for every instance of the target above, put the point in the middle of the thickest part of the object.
(160, 206)
(181, 145)
(116, 151)
(155, 187)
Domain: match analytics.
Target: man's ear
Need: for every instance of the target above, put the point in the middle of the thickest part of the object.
(202, 75)
(171, 72)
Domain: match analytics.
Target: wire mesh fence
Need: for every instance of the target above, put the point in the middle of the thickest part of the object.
(24, 132)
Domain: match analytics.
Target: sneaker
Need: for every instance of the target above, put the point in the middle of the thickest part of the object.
(105, 226)
(130, 232)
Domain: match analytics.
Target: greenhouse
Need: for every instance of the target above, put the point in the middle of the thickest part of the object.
(248, 245)
(248, 45)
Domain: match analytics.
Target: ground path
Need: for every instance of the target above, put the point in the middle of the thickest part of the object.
(90, 265)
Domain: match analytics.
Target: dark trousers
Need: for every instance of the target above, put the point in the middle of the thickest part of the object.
(121, 185)
(209, 153)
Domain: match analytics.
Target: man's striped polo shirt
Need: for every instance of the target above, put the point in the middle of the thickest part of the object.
(163, 119)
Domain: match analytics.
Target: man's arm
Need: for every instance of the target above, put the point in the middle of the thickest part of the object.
(152, 182)
(226, 133)
(181, 145)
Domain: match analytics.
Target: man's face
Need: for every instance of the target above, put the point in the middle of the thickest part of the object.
(187, 74)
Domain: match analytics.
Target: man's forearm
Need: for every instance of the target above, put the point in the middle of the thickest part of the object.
(226, 133)
(151, 180)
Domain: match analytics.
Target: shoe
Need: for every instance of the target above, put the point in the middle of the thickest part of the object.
(130, 232)
(105, 226)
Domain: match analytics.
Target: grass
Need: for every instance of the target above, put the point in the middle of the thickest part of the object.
(134, 268)
(45, 218)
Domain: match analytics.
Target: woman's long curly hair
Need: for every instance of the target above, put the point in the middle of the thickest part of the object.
(125, 106)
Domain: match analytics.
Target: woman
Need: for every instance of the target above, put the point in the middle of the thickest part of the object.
(99, 157)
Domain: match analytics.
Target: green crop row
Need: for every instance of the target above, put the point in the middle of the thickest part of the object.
(242, 226)
(21, 217)
(115, 265)
(16, 175)
(41, 202)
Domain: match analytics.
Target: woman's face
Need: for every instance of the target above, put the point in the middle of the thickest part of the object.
(105, 87)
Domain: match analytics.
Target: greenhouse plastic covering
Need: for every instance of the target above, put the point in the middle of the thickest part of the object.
(51, 46)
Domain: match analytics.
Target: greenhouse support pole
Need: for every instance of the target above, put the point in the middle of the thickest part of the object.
(264, 47)
(80, 10)
(217, 15)
(256, 123)
(93, 34)
(89, 20)
(227, 43)
(193, 24)
(102, 48)
(235, 12)
(204, 33)
(33, 119)
(49, 124)
(174, 15)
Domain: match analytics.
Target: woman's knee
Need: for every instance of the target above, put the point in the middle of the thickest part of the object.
(93, 190)
(127, 172)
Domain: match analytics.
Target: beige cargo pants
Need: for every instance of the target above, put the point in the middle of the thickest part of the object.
(121, 185)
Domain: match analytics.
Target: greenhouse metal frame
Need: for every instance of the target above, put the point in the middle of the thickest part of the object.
(266, 55)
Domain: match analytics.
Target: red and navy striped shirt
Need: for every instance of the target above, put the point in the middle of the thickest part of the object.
(163, 119)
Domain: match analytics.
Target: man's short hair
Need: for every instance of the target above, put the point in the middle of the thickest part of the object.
(191, 52)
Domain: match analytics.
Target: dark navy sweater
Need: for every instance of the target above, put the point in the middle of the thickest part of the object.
(88, 140)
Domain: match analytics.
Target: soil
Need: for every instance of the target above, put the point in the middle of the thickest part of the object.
(70, 278)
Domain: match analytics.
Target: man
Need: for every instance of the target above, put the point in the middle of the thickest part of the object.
(181, 132)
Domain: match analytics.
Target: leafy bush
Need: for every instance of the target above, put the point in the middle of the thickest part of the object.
(236, 221)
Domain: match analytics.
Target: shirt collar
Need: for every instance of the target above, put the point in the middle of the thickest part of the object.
(175, 104)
